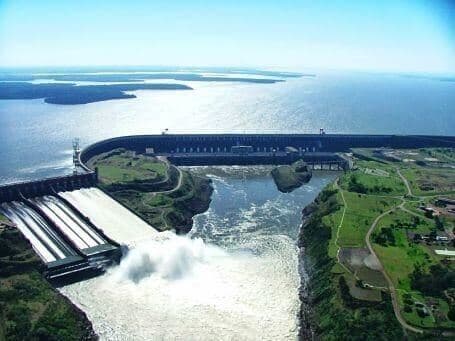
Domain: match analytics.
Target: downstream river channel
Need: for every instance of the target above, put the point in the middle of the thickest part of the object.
(234, 277)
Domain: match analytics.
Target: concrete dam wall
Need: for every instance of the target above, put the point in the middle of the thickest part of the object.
(218, 143)
(30, 189)
(216, 149)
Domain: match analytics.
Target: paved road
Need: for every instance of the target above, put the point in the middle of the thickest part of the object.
(179, 184)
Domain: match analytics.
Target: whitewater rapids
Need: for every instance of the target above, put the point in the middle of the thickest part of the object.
(240, 283)
(178, 288)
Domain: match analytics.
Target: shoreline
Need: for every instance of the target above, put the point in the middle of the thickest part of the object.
(305, 327)
(166, 201)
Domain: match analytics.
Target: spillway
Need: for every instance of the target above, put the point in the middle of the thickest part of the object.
(69, 244)
(116, 221)
(45, 241)
(234, 277)
(70, 224)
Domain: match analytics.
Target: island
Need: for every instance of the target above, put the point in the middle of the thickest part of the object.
(70, 93)
(289, 177)
(61, 88)
(163, 195)
(378, 248)
(31, 309)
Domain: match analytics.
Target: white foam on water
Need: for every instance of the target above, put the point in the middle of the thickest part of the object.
(42, 248)
(116, 221)
(179, 288)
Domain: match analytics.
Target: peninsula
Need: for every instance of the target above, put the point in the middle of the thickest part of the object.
(62, 88)
(69, 93)
(163, 195)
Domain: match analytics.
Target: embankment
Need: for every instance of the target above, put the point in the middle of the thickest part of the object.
(31, 309)
(327, 312)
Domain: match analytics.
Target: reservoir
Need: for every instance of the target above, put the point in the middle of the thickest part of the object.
(35, 137)
(234, 276)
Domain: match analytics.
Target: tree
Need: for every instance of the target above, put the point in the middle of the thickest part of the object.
(438, 223)
(451, 313)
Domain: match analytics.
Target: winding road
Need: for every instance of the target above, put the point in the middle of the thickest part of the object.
(406, 182)
(392, 290)
(391, 287)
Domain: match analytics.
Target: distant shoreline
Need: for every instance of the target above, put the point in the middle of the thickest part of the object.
(15, 85)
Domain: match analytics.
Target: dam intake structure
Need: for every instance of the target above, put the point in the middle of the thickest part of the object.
(319, 151)
(77, 229)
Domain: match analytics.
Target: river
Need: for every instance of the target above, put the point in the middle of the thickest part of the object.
(234, 277)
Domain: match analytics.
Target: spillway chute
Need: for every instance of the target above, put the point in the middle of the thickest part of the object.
(116, 221)
(67, 242)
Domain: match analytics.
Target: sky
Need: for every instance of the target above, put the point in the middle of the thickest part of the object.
(385, 35)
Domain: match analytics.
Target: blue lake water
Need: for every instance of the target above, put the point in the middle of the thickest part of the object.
(242, 282)
(35, 137)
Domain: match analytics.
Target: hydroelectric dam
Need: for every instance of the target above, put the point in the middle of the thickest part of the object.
(77, 229)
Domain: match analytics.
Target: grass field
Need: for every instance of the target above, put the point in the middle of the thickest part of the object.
(125, 167)
(376, 188)
(430, 181)
(360, 214)
(148, 186)
(400, 261)
(374, 178)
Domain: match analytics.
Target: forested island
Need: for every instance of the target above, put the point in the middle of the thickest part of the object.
(69, 93)
(289, 177)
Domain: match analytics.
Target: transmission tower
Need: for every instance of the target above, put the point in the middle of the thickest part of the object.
(76, 152)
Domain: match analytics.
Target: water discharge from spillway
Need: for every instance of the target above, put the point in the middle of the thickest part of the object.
(235, 277)
(46, 242)
(116, 221)
(69, 223)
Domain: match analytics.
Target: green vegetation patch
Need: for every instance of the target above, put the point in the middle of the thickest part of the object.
(373, 178)
(336, 314)
(121, 166)
(360, 213)
(428, 181)
(3, 218)
(30, 308)
(424, 281)
(159, 193)
(289, 177)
